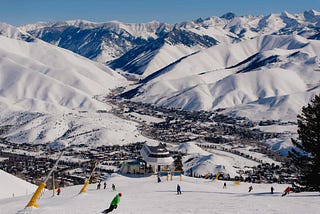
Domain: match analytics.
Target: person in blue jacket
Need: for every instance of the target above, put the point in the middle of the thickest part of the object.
(178, 189)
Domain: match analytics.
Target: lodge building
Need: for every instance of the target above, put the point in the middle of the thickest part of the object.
(156, 156)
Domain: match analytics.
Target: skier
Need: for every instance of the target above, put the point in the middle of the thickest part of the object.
(250, 188)
(224, 185)
(104, 185)
(178, 189)
(58, 191)
(113, 187)
(272, 189)
(99, 185)
(286, 191)
(114, 203)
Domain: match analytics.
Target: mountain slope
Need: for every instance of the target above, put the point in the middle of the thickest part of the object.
(12, 186)
(48, 94)
(158, 53)
(15, 33)
(107, 41)
(40, 75)
(143, 195)
(246, 73)
(100, 41)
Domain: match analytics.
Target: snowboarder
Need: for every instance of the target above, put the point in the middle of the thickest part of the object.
(114, 203)
(272, 190)
(178, 189)
(113, 187)
(99, 185)
(104, 185)
(286, 191)
(224, 185)
(250, 188)
(58, 191)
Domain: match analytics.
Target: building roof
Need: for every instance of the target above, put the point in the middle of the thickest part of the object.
(160, 148)
(156, 154)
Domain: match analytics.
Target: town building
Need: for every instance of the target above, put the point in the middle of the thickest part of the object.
(132, 167)
(156, 156)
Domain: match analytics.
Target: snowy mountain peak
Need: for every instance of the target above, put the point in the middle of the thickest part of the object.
(311, 15)
(107, 41)
(14, 33)
(228, 16)
(287, 14)
(80, 23)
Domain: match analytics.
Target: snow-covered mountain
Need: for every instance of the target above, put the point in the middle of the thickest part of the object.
(99, 41)
(107, 41)
(201, 162)
(48, 93)
(268, 77)
(261, 67)
(40, 76)
(15, 33)
(156, 54)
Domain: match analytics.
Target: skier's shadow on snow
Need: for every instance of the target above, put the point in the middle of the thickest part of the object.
(277, 194)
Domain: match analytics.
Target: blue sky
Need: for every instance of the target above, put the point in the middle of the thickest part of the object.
(17, 12)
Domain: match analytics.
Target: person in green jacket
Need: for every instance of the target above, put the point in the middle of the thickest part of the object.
(114, 203)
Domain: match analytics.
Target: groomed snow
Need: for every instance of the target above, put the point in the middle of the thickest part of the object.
(213, 161)
(12, 187)
(144, 196)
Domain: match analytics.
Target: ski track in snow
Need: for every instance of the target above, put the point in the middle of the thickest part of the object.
(144, 196)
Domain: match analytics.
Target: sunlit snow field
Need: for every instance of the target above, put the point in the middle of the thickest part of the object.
(144, 195)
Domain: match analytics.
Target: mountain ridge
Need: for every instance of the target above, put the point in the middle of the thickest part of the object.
(134, 35)
(269, 66)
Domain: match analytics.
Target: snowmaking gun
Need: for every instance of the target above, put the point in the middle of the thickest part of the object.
(33, 201)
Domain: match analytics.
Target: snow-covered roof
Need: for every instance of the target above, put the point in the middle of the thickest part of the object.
(156, 154)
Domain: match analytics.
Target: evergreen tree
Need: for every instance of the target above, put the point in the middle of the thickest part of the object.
(178, 163)
(307, 157)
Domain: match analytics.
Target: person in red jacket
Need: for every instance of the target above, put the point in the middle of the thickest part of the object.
(286, 191)
(114, 203)
(58, 191)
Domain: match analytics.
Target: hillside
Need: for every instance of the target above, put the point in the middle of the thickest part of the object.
(15, 33)
(205, 64)
(107, 41)
(158, 53)
(30, 70)
(12, 187)
(258, 67)
(48, 93)
(273, 76)
(144, 195)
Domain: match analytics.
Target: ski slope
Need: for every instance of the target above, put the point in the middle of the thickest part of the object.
(144, 196)
(12, 186)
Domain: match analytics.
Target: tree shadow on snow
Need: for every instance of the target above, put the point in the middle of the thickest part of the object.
(207, 192)
(275, 194)
(305, 195)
